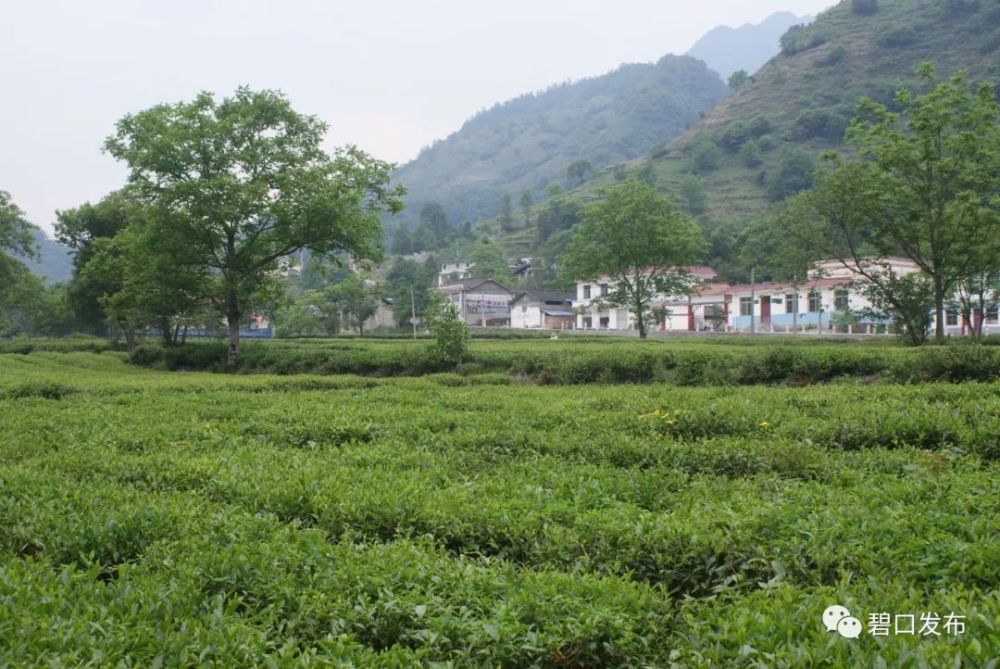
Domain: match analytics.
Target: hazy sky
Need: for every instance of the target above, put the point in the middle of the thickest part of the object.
(390, 76)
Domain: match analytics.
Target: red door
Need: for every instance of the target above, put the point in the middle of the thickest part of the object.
(765, 309)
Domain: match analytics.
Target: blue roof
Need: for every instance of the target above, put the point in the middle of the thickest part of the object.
(558, 312)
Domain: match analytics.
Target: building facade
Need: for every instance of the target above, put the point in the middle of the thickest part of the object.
(829, 300)
(481, 302)
(454, 271)
(543, 309)
(593, 313)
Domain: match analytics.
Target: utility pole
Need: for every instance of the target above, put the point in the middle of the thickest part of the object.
(753, 301)
(413, 312)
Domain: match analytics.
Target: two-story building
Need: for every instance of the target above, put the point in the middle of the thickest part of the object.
(829, 299)
(593, 312)
(453, 271)
(483, 302)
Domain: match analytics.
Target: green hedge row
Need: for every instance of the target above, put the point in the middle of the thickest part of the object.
(67, 345)
(623, 363)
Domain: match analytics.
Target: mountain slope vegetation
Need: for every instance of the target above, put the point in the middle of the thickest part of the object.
(528, 143)
(760, 144)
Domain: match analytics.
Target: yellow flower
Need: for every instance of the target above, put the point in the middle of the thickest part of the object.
(764, 425)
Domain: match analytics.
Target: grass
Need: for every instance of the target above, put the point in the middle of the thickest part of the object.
(152, 518)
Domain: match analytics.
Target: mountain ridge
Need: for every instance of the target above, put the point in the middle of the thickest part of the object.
(528, 142)
(798, 105)
(747, 47)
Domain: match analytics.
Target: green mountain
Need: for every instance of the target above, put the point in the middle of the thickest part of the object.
(747, 47)
(529, 142)
(54, 261)
(760, 143)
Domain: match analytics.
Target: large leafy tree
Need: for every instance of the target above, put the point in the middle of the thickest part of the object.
(146, 282)
(408, 283)
(244, 182)
(27, 305)
(832, 221)
(356, 298)
(15, 240)
(82, 229)
(635, 237)
(768, 250)
(488, 261)
(929, 188)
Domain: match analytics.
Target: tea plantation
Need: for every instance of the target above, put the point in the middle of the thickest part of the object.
(530, 516)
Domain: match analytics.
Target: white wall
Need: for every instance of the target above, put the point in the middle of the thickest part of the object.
(526, 316)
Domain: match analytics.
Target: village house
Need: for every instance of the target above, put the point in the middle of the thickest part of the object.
(594, 314)
(818, 304)
(527, 268)
(482, 302)
(545, 309)
(454, 271)
(383, 316)
(827, 300)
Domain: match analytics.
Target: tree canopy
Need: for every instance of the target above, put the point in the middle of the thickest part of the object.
(15, 239)
(635, 237)
(241, 183)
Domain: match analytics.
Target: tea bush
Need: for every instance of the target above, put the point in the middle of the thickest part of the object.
(608, 361)
(149, 518)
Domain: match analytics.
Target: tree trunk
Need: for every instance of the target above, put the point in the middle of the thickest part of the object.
(129, 336)
(233, 324)
(980, 320)
(165, 331)
(640, 317)
(938, 310)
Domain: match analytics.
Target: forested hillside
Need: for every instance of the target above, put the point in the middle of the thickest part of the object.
(527, 144)
(760, 144)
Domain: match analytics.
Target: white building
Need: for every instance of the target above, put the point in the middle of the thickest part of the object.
(828, 301)
(482, 302)
(819, 304)
(594, 314)
(545, 309)
(454, 271)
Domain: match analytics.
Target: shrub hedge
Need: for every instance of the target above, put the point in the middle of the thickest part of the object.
(569, 363)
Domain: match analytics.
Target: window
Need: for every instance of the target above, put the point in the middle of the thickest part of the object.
(604, 290)
(815, 302)
(605, 322)
(841, 300)
(951, 317)
(586, 292)
(992, 314)
(746, 306)
(791, 303)
(588, 322)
